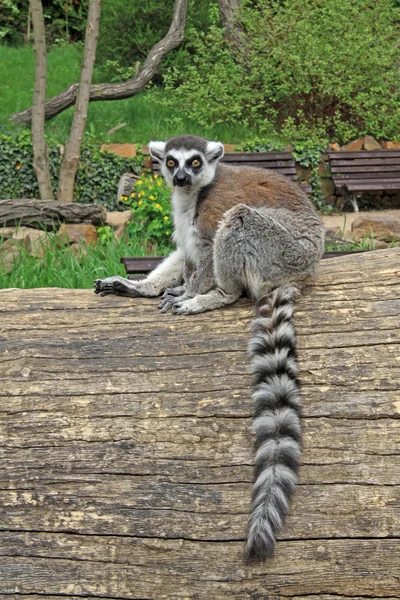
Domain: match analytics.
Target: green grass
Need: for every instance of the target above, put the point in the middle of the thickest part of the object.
(144, 120)
(63, 267)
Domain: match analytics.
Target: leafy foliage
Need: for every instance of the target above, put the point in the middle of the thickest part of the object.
(97, 177)
(330, 68)
(65, 20)
(150, 203)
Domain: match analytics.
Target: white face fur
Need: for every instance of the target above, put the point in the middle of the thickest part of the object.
(187, 168)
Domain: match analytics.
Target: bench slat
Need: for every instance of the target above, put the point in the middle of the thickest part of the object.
(365, 169)
(366, 163)
(373, 185)
(364, 154)
(150, 263)
(392, 176)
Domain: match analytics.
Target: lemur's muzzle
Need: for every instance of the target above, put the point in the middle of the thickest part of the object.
(181, 178)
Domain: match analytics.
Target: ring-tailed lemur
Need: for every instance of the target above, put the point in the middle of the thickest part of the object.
(242, 228)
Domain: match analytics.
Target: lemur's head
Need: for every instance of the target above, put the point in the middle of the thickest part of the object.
(187, 160)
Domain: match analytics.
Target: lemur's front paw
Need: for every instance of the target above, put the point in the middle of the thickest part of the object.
(119, 286)
(187, 307)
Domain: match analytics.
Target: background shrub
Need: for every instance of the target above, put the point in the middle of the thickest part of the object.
(97, 176)
(330, 68)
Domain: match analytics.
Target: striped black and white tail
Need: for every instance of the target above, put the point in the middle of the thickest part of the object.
(277, 429)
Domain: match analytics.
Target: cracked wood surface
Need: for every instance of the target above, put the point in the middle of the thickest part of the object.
(126, 449)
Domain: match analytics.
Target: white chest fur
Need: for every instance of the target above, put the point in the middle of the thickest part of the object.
(185, 234)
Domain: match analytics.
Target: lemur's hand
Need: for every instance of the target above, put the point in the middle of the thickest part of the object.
(119, 286)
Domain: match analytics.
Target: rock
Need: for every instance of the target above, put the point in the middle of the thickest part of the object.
(381, 245)
(391, 145)
(327, 188)
(9, 253)
(125, 150)
(230, 148)
(303, 173)
(36, 240)
(354, 146)
(289, 148)
(70, 233)
(333, 147)
(78, 249)
(384, 229)
(370, 143)
(7, 232)
(116, 219)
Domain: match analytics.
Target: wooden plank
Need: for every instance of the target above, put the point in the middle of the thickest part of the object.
(367, 154)
(365, 162)
(365, 169)
(126, 449)
(374, 185)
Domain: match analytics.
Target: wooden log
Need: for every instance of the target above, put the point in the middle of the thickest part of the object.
(48, 214)
(126, 448)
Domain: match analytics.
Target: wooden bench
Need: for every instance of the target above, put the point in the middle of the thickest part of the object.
(357, 172)
(138, 267)
(281, 162)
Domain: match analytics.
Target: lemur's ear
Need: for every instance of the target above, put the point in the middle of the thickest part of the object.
(157, 150)
(214, 150)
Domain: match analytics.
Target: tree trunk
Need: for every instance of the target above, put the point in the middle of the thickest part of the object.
(126, 446)
(227, 10)
(118, 91)
(49, 214)
(70, 160)
(40, 150)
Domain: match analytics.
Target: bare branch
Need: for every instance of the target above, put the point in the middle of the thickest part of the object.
(106, 91)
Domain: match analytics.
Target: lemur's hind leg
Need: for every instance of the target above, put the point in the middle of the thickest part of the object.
(252, 251)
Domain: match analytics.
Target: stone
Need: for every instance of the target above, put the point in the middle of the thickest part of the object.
(36, 240)
(381, 245)
(230, 148)
(289, 148)
(7, 232)
(125, 150)
(391, 145)
(303, 173)
(354, 146)
(116, 219)
(370, 143)
(384, 228)
(333, 147)
(327, 187)
(70, 233)
(9, 253)
(78, 249)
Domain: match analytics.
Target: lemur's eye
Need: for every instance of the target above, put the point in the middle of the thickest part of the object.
(170, 163)
(196, 163)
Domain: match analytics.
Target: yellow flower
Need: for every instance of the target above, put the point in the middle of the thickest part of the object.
(139, 182)
(151, 198)
(155, 176)
(133, 195)
(140, 202)
(157, 205)
(140, 194)
(167, 233)
(166, 218)
(159, 182)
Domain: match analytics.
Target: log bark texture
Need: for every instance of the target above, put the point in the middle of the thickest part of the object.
(117, 91)
(126, 447)
(36, 213)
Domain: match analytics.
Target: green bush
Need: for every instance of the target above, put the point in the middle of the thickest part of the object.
(150, 203)
(327, 68)
(96, 180)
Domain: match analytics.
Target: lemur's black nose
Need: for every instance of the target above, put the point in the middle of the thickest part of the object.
(181, 178)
